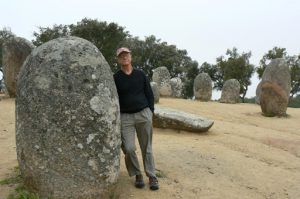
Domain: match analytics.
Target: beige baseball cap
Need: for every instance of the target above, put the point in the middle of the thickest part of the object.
(123, 49)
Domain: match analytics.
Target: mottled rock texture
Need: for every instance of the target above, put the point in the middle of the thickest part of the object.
(162, 77)
(273, 92)
(155, 91)
(176, 85)
(230, 92)
(276, 72)
(258, 92)
(273, 99)
(15, 50)
(203, 87)
(68, 121)
(179, 120)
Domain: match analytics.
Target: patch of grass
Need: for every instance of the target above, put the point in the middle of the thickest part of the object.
(14, 179)
(160, 174)
(11, 180)
(20, 191)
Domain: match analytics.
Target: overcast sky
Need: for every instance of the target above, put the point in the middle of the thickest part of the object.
(205, 28)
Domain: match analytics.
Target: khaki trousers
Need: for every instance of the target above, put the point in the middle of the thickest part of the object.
(141, 124)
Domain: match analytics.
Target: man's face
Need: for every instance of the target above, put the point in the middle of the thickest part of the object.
(124, 59)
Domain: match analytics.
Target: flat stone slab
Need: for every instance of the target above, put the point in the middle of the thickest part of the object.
(180, 120)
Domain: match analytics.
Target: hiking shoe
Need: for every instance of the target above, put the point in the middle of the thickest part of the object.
(153, 182)
(139, 182)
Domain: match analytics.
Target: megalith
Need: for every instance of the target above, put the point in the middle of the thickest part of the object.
(162, 77)
(155, 91)
(273, 99)
(258, 92)
(274, 89)
(202, 87)
(180, 120)
(15, 50)
(277, 71)
(230, 92)
(68, 121)
(176, 85)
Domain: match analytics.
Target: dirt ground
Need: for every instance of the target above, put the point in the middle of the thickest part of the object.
(244, 155)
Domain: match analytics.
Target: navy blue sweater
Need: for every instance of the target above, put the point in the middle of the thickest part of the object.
(134, 91)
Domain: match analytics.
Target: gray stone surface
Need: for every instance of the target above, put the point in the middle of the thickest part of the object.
(179, 120)
(176, 85)
(15, 50)
(68, 121)
(162, 77)
(230, 92)
(202, 87)
(273, 99)
(258, 92)
(155, 91)
(277, 72)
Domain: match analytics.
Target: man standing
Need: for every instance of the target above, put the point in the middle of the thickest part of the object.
(137, 107)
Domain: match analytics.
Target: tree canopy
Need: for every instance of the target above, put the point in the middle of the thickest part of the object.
(276, 52)
(47, 34)
(151, 53)
(292, 61)
(5, 34)
(148, 54)
(235, 66)
(294, 65)
(105, 36)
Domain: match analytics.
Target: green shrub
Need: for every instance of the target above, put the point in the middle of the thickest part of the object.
(294, 102)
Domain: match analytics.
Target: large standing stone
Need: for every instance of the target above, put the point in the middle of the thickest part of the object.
(230, 92)
(276, 72)
(155, 91)
(68, 122)
(162, 77)
(203, 87)
(273, 99)
(15, 51)
(258, 92)
(176, 85)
